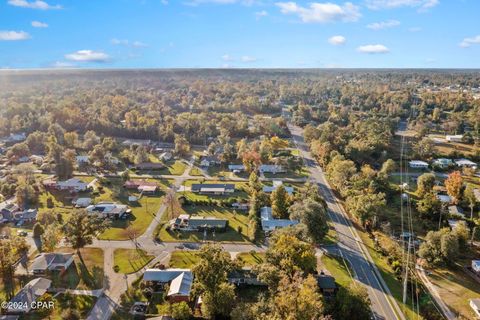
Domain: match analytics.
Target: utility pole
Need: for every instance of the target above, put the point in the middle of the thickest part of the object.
(405, 280)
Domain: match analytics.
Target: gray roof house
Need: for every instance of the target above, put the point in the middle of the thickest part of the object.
(51, 262)
(212, 188)
(180, 281)
(269, 223)
(23, 300)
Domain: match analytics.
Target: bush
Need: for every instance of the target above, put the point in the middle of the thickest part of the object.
(116, 268)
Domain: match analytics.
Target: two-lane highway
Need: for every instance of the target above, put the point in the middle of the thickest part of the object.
(350, 245)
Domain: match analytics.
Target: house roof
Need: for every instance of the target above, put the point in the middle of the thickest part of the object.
(326, 282)
(204, 186)
(44, 260)
(150, 165)
(455, 210)
(181, 285)
(197, 221)
(236, 167)
(30, 293)
(270, 189)
(418, 163)
(164, 276)
(465, 162)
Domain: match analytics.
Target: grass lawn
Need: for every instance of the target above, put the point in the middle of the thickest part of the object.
(195, 171)
(131, 260)
(143, 211)
(456, 288)
(251, 259)
(83, 276)
(239, 192)
(338, 268)
(235, 218)
(183, 259)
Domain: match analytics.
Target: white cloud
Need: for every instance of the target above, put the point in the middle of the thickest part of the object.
(7, 35)
(383, 25)
(321, 12)
(248, 59)
(422, 5)
(88, 56)
(373, 48)
(38, 24)
(260, 14)
(337, 40)
(37, 4)
(467, 42)
(227, 57)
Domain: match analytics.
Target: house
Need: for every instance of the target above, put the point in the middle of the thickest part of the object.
(454, 138)
(244, 277)
(476, 266)
(465, 163)
(186, 222)
(179, 282)
(444, 198)
(456, 210)
(417, 164)
(25, 216)
(452, 223)
(143, 186)
(82, 202)
(150, 166)
(276, 184)
(109, 210)
(72, 185)
(271, 168)
(443, 163)
(7, 210)
(82, 160)
(16, 137)
(166, 156)
(241, 205)
(24, 300)
(236, 168)
(212, 188)
(51, 262)
(207, 161)
(137, 142)
(475, 305)
(269, 223)
(327, 285)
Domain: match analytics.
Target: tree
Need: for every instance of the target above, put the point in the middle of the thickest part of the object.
(313, 215)
(351, 303)
(424, 148)
(71, 139)
(11, 250)
(18, 151)
(180, 311)
(81, 228)
(471, 199)
(440, 247)
(251, 160)
(279, 199)
(254, 184)
(71, 314)
(388, 167)
(38, 230)
(425, 183)
(172, 203)
(366, 206)
(182, 146)
(297, 298)
(65, 164)
(25, 193)
(141, 155)
(340, 171)
(429, 206)
(90, 139)
(50, 238)
(454, 185)
(211, 283)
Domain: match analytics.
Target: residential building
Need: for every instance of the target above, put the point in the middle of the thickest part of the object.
(465, 163)
(23, 301)
(212, 188)
(82, 160)
(454, 138)
(444, 198)
(241, 205)
(327, 285)
(150, 166)
(269, 223)
(109, 210)
(51, 262)
(244, 277)
(443, 163)
(7, 210)
(166, 156)
(476, 266)
(137, 142)
(82, 202)
(236, 168)
(142, 186)
(72, 185)
(456, 210)
(187, 222)
(417, 164)
(179, 282)
(475, 305)
(276, 184)
(25, 216)
(207, 161)
(271, 168)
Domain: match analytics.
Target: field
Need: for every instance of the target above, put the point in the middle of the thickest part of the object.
(251, 259)
(183, 259)
(236, 220)
(130, 260)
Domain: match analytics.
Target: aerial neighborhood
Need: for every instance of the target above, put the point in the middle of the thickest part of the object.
(180, 196)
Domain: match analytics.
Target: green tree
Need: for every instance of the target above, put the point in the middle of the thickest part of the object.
(388, 167)
(279, 199)
(429, 206)
(366, 206)
(180, 311)
(469, 196)
(50, 238)
(424, 148)
(254, 184)
(425, 183)
(182, 146)
(313, 215)
(351, 303)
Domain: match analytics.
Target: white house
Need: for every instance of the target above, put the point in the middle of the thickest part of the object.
(72, 185)
(454, 138)
(269, 223)
(443, 163)
(271, 168)
(81, 160)
(276, 184)
(108, 210)
(236, 167)
(444, 198)
(418, 164)
(465, 163)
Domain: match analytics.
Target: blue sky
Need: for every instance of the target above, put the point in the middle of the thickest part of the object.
(239, 33)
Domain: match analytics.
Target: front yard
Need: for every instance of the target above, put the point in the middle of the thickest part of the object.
(130, 260)
(183, 259)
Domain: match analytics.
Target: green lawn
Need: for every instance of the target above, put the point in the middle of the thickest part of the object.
(196, 172)
(143, 211)
(338, 268)
(251, 259)
(183, 259)
(456, 288)
(86, 275)
(235, 218)
(131, 260)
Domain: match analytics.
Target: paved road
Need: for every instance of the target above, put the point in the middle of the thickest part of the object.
(350, 245)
